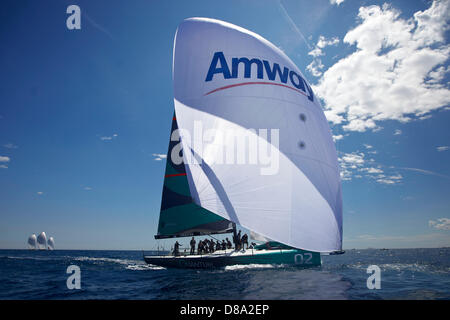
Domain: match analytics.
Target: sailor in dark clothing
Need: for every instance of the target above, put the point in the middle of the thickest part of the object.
(218, 246)
(192, 245)
(228, 244)
(211, 246)
(224, 245)
(200, 247)
(238, 241)
(244, 240)
(206, 246)
(176, 249)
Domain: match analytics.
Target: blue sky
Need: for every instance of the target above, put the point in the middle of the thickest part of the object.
(82, 113)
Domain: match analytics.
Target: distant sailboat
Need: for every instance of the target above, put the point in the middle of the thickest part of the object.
(229, 79)
(42, 241)
(32, 240)
(51, 243)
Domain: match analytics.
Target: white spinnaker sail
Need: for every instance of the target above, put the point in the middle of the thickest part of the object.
(42, 240)
(32, 241)
(301, 203)
(51, 243)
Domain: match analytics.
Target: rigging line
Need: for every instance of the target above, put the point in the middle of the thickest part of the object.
(214, 238)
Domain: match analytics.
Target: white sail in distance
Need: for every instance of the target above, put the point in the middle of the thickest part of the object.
(42, 240)
(235, 83)
(32, 241)
(51, 243)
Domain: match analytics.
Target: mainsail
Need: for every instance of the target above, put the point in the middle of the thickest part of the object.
(42, 240)
(32, 241)
(51, 243)
(180, 216)
(230, 79)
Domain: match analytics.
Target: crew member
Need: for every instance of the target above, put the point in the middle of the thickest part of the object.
(211, 246)
(228, 244)
(176, 249)
(238, 241)
(218, 246)
(206, 246)
(192, 245)
(244, 240)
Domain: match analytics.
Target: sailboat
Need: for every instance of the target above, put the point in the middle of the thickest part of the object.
(51, 243)
(232, 88)
(42, 241)
(32, 242)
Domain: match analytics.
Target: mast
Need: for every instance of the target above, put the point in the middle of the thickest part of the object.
(180, 216)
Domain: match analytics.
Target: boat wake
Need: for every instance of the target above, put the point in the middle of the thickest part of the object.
(129, 264)
(252, 266)
(143, 267)
(102, 260)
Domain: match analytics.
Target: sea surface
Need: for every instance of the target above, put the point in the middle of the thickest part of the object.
(405, 274)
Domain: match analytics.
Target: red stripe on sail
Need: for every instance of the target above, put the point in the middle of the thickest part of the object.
(174, 175)
(250, 83)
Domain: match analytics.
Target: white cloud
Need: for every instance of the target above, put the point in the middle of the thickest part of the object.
(338, 137)
(3, 162)
(440, 224)
(10, 146)
(316, 52)
(373, 170)
(109, 138)
(360, 125)
(393, 179)
(386, 181)
(333, 117)
(323, 42)
(395, 71)
(397, 132)
(348, 163)
(353, 158)
(442, 148)
(356, 165)
(39, 193)
(159, 156)
(315, 67)
(87, 188)
(336, 2)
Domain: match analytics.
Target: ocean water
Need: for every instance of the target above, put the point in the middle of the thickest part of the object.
(405, 274)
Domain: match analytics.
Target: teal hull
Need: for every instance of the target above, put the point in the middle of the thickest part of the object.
(295, 257)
